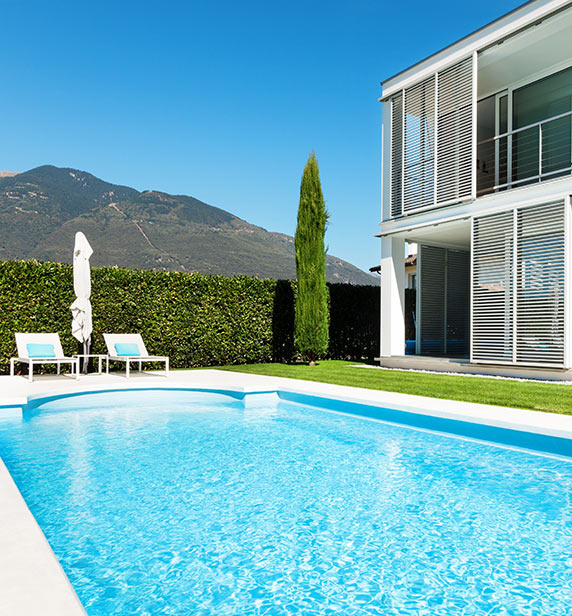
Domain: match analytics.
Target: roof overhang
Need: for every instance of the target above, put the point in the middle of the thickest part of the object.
(510, 24)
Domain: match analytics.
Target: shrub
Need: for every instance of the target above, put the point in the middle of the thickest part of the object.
(195, 319)
(311, 318)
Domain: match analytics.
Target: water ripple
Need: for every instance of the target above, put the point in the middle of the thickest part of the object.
(172, 503)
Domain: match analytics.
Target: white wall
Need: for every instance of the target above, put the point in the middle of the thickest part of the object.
(392, 297)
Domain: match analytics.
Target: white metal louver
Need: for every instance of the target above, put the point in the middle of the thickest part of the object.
(457, 302)
(493, 291)
(455, 132)
(397, 155)
(419, 144)
(519, 277)
(540, 284)
(444, 301)
(432, 264)
(432, 140)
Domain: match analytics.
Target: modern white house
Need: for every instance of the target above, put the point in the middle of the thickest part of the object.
(477, 171)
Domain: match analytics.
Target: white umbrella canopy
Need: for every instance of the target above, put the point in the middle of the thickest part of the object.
(81, 309)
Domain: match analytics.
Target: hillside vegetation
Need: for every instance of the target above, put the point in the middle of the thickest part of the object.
(41, 210)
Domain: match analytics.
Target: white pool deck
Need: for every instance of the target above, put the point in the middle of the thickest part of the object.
(31, 579)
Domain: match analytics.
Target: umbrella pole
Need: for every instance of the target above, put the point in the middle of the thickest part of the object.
(86, 349)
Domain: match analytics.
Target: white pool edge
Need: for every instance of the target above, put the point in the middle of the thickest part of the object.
(32, 580)
(29, 569)
(549, 424)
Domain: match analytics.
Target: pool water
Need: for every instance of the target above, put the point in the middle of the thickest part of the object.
(186, 503)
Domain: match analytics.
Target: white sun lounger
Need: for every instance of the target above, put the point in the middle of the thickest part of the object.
(140, 356)
(54, 355)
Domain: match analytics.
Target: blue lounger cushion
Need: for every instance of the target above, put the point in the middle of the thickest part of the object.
(40, 350)
(127, 349)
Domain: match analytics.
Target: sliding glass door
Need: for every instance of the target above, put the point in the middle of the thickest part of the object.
(492, 149)
(524, 135)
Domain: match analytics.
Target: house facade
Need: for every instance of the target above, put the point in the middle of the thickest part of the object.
(477, 171)
(410, 270)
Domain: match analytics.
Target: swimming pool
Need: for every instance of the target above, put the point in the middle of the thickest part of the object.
(173, 502)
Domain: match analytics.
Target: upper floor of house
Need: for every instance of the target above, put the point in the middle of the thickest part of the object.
(489, 115)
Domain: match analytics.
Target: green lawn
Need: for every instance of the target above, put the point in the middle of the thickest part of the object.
(528, 395)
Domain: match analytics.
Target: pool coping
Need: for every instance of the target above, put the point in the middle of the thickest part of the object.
(17, 392)
(36, 581)
(32, 580)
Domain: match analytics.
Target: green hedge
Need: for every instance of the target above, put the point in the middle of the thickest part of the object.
(195, 319)
(410, 313)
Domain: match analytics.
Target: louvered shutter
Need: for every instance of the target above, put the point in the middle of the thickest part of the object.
(519, 276)
(397, 155)
(419, 155)
(455, 132)
(457, 298)
(493, 290)
(432, 287)
(540, 284)
(444, 287)
(432, 140)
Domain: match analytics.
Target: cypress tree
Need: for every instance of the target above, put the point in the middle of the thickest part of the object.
(311, 317)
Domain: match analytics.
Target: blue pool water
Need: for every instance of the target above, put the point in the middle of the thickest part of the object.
(185, 503)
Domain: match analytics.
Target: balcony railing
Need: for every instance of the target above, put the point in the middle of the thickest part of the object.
(533, 153)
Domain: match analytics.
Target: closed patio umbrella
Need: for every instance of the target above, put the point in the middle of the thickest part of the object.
(81, 308)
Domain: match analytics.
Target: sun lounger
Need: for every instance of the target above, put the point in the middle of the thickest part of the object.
(130, 348)
(37, 349)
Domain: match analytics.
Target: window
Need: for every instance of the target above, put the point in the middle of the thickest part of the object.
(538, 101)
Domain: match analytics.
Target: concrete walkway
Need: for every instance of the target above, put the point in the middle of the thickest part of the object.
(31, 579)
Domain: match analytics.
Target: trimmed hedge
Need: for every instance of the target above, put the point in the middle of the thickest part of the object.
(195, 319)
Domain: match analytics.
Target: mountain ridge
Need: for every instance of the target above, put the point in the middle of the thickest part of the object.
(41, 209)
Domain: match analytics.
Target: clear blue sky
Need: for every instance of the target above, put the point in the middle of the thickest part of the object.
(219, 100)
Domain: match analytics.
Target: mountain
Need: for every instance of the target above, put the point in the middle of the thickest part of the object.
(41, 210)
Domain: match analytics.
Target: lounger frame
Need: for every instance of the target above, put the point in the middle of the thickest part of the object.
(112, 339)
(23, 339)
